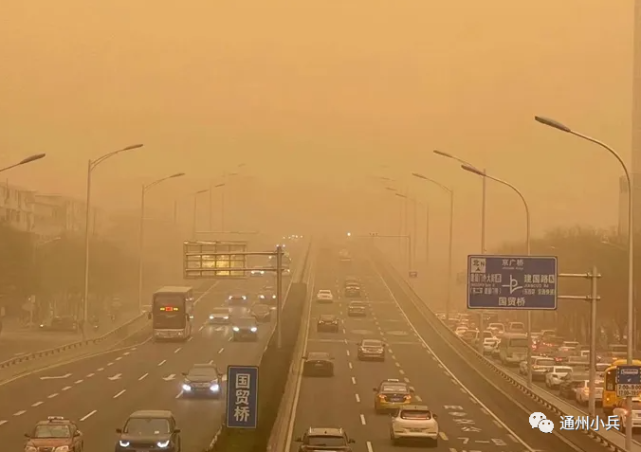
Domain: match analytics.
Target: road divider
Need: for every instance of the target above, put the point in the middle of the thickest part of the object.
(612, 440)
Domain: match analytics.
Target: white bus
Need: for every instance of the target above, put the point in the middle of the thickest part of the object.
(513, 348)
(172, 313)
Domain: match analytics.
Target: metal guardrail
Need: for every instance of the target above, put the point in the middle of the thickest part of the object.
(454, 341)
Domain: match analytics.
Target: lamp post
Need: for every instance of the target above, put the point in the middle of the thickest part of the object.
(563, 128)
(37, 245)
(195, 211)
(24, 161)
(400, 221)
(484, 174)
(222, 198)
(91, 165)
(141, 232)
(412, 256)
(451, 239)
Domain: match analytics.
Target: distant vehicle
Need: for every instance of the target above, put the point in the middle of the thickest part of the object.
(202, 380)
(356, 309)
(324, 296)
(498, 328)
(582, 393)
(516, 327)
(571, 383)
(318, 364)
(244, 328)
(353, 290)
(262, 313)
(414, 422)
(371, 350)
(65, 323)
(55, 433)
(257, 272)
(171, 313)
(238, 299)
(267, 295)
(555, 376)
(327, 323)
(149, 429)
(513, 348)
(219, 316)
(621, 410)
(320, 439)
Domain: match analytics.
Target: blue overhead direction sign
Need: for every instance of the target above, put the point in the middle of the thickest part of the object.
(242, 396)
(628, 381)
(526, 283)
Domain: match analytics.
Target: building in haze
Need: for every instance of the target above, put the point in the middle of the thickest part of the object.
(16, 207)
(55, 215)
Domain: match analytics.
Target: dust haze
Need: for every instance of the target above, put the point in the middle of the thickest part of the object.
(319, 100)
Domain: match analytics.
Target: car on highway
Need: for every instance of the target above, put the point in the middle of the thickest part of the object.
(371, 350)
(257, 272)
(582, 393)
(318, 364)
(460, 331)
(414, 422)
(353, 290)
(202, 380)
(267, 295)
(325, 439)
(391, 395)
(219, 316)
(621, 411)
(262, 313)
(54, 434)
(571, 383)
(541, 365)
(65, 323)
(498, 328)
(554, 376)
(516, 327)
(356, 309)
(244, 329)
(237, 299)
(324, 296)
(147, 430)
(327, 323)
(489, 344)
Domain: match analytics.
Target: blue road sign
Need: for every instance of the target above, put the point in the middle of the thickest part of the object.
(242, 396)
(628, 381)
(525, 283)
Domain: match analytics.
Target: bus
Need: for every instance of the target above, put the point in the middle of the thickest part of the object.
(172, 312)
(513, 348)
(610, 398)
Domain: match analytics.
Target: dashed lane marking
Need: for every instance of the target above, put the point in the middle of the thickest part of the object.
(179, 395)
(100, 369)
(363, 422)
(418, 398)
(357, 397)
(143, 377)
(370, 448)
(88, 415)
(91, 374)
(19, 413)
(350, 365)
(177, 350)
(401, 371)
(52, 396)
(222, 349)
(119, 394)
(497, 423)
(3, 422)
(66, 388)
(77, 382)
(37, 404)
(353, 380)
(443, 436)
(119, 358)
(110, 364)
(397, 364)
(162, 362)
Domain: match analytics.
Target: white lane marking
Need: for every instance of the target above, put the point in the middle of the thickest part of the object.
(420, 338)
(401, 371)
(100, 369)
(77, 382)
(353, 380)
(179, 395)
(498, 424)
(363, 420)
(397, 364)
(389, 350)
(418, 398)
(3, 422)
(484, 411)
(177, 350)
(119, 358)
(88, 415)
(37, 404)
(126, 353)
(347, 351)
(66, 388)
(143, 377)
(91, 374)
(110, 364)
(371, 449)
(19, 413)
(350, 365)
(512, 438)
(211, 361)
(452, 449)
(407, 380)
(52, 396)
(443, 436)
(190, 338)
(222, 349)
(119, 394)
(358, 398)
(162, 362)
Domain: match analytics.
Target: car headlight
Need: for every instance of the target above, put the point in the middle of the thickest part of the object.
(262, 296)
(163, 444)
(211, 317)
(215, 387)
(236, 329)
(186, 387)
(61, 449)
(244, 297)
(122, 443)
(254, 329)
(226, 317)
(274, 297)
(229, 297)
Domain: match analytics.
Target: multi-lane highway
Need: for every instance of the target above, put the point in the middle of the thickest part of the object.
(466, 420)
(100, 392)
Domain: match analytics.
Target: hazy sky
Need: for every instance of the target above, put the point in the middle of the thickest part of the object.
(328, 92)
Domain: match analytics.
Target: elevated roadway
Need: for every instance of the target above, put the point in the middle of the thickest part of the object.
(473, 415)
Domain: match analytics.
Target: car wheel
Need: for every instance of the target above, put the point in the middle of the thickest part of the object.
(433, 443)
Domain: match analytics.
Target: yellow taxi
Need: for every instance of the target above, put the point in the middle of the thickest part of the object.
(54, 434)
(392, 394)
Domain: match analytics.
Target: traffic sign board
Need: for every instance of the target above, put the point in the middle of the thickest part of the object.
(242, 396)
(512, 282)
(628, 381)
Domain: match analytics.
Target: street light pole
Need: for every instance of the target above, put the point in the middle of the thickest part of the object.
(630, 330)
(91, 165)
(141, 233)
(484, 174)
(195, 212)
(451, 239)
(31, 158)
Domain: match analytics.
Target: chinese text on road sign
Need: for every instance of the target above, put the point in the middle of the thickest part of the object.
(628, 381)
(512, 282)
(242, 396)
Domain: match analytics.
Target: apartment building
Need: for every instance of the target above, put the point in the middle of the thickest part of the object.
(56, 214)
(16, 207)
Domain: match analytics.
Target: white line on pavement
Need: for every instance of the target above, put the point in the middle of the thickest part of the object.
(19, 413)
(143, 377)
(88, 415)
(178, 349)
(37, 404)
(363, 420)
(77, 382)
(358, 398)
(353, 380)
(162, 362)
(3, 422)
(221, 350)
(370, 448)
(119, 394)
(51, 396)
(66, 388)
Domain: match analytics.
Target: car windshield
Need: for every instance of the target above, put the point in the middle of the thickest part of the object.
(245, 322)
(325, 292)
(268, 288)
(358, 304)
(372, 343)
(317, 356)
(563, 369)
(394, 388)
(522, 343)
(544, 362)
(579, 377)
(52, 431)
(416, 414)
(220, 311)
(237, 295)
(147, 427)
(203, 372)
(331, 441)
(327, 318)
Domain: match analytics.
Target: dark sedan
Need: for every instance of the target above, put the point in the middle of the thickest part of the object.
(202, 380)
(353, 290)
(357, 309)
(148, 430)
(327, 323)
(318, 364)
(262, 313)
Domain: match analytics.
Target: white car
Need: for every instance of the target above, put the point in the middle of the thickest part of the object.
(325, 296)
(555, 376)
(414, 422)
(488, 345)
(621, 411)
(460, 330)
(582, 392)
